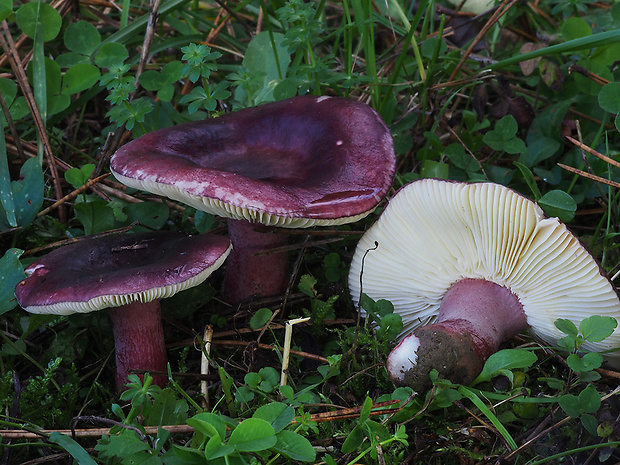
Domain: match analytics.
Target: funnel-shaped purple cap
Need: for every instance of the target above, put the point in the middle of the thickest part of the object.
(297, 163)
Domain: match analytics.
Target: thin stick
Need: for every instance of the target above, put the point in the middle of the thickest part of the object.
(501, 10)
(593, 177)
(72, 195)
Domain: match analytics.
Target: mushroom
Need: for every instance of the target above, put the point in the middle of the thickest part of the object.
(481, 263)
(302, 162)
(129, 272)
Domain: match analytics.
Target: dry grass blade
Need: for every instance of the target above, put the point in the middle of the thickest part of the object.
(593, 177)
(591, 151)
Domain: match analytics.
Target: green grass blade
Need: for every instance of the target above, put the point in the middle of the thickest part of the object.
(6, 191)
(595, 40)
(490, 415)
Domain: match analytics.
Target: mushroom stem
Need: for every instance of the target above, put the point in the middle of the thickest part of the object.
(248, 274)
(139, 341)
(475, 317)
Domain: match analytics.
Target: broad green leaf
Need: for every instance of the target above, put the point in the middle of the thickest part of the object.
(80, 77)
(260, 60)
(203, 221)
(277, 414)
(73, 448)
(8, 88)
(609, 97)
(589, 399)
(507, 359)
(95, 216)
(111, 54)
(559, 204)
(11, 273)
(570, 405)
(566, 326)
(294, 446)
(6, 8)
(353, 440)
(82, 37)
(596, 328)
(27, 194)
(435, 169)
(574, 28)
(215, 449)
(152, 215)
(252, 435)
(28, 14)
(208, 424)
(589, 361)
(590, 423)
(260, 318)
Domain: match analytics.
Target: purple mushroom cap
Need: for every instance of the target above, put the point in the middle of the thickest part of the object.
(130, 272)
(306, 161)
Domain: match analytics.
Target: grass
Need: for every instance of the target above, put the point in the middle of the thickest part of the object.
(491, 98)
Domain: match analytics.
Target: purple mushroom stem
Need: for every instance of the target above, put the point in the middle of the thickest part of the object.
(475, 317)
(249, 271)
(139, 341)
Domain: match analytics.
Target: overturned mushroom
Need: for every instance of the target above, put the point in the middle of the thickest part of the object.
(307, 161)
(481, 263)
(131, 273)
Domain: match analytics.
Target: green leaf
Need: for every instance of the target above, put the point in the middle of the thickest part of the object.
(597, 328)
(390, 327)
(306, 285)
(82, 37)
(589, 399)
(566, 326)
(80, 77)
(11, 273)
(208, 424)
(277, 414)
(507, 359)
(28, 15)
(434, 169)
(6, 8)
(353, 441)
(152, 215)
(529, 179)
(294, 446)
(365, 410)
(570, 404)
(559, 204)
(27, 194)
(260, 60)
(8, 88)
(111, 54)
(203, 221)
(260, 318)
(252, 435)
(588, 362)
(77, 177)
(574, 28)
(590, 423)
(73, 448)
(95, 216)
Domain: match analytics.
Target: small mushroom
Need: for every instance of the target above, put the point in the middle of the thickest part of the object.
(130, 273)
(302, 162)
(481, 263)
